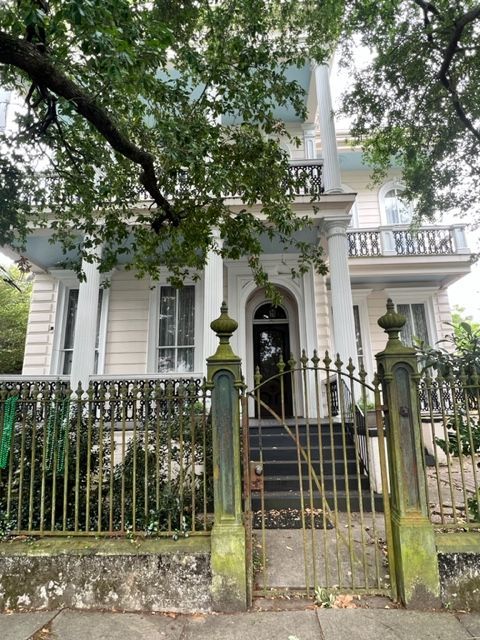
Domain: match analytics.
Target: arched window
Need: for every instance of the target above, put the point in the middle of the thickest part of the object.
(394, 208)
(268, 312)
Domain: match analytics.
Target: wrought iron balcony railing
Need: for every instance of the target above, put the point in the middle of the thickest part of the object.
(307, 176)
(405, 241)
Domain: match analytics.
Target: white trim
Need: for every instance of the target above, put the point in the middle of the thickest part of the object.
(58, 327)
(423, 295)
(241, 287)
(355, 219)
(153, 311)
(102, 330)
(66, 281)
(359, 297)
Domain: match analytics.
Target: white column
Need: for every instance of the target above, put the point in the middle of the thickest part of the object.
(212, 297)
(83, 361)
(341, 292)
(331, 165)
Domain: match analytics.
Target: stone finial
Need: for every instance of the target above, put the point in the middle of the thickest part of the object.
(392, 322)
(224, 326)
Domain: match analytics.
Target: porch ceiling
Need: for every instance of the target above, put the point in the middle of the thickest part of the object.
(43, 254)
(438, 270)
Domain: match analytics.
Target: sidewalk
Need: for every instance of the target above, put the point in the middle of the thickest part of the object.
(304, 624)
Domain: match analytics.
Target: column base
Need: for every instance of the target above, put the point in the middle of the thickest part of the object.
(228, 562)
(416, 563)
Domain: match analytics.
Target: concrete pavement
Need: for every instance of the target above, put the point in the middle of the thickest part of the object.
(295, 624)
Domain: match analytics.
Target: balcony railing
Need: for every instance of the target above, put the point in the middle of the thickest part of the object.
(404, 241)
(306, 174)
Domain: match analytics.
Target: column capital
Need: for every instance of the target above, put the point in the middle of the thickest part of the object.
(336, 226)
(217, 236)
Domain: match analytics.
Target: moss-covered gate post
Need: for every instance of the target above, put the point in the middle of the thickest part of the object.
(228, 560)
(414, 551)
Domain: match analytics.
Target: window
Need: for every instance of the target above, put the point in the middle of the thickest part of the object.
(358, 336)
(70, 318)
(394, 208)
(416, 325)
(176, 330)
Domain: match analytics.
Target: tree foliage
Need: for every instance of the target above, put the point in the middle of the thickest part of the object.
(14, 305)
(416, 104)
(456, 355)
(172, 100)
(176, 101)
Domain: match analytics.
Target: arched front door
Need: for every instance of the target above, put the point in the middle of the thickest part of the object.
(271, 339)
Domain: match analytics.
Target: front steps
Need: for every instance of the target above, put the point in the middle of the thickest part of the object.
(346, 486)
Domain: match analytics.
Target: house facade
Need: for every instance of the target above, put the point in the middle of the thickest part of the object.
(135, 328)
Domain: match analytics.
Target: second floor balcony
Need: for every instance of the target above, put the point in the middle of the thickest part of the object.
(404, 241)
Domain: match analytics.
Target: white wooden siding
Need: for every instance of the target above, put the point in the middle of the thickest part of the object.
(40, 328)
(126, 340)
(367, 198)
(376, 305)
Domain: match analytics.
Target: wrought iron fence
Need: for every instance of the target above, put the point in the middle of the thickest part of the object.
(451, 439)
(316, 471)
(118, 459)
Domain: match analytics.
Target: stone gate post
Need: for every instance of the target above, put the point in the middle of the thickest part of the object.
(414, 552)
(228, 559)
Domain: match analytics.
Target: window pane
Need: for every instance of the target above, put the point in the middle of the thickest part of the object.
(391, 210)
(176, 329)
(72, 306)
(166, 333)
(99, 318)
(185, 360)
(416, 325)
(358, 335)
(419, 322)
(186, 316)
(397, 210)
(67, 362)
(166, 360)
(270, 312)
(406, 333)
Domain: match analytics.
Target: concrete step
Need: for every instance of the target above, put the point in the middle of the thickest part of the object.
(290, 467)
(283, 483)
(289, 453)
(292, 500)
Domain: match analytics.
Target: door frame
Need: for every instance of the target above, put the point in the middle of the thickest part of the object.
(256, 300)
(264, 324)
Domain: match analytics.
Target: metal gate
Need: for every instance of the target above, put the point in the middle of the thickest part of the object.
(315, 482)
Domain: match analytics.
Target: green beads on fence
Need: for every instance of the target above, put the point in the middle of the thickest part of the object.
(8, 422)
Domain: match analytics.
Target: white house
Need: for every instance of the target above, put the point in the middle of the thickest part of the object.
(137, 328)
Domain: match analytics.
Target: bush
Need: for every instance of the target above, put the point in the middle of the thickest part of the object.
(63, 460)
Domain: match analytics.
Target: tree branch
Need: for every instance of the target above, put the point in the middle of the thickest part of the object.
(42, 71)
(443, 74)
(428, 7)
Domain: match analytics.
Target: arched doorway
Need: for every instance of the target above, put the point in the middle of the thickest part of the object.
(271, 341)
